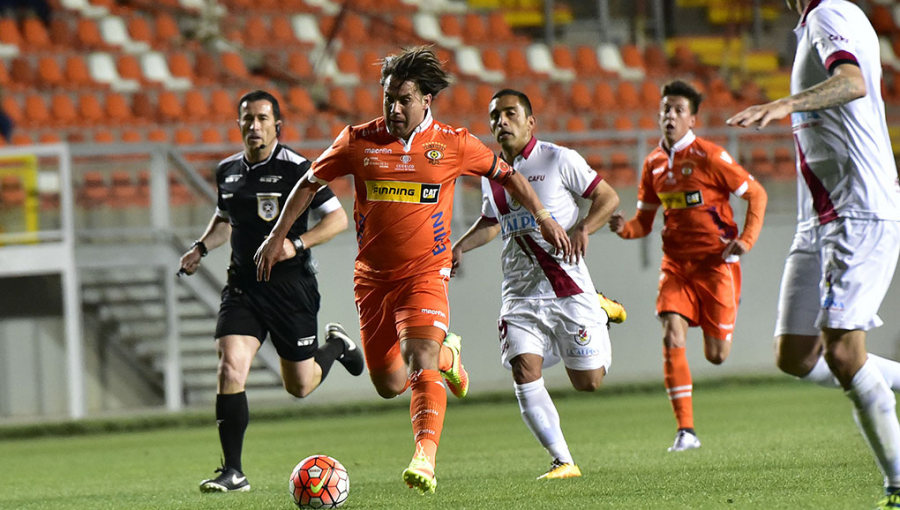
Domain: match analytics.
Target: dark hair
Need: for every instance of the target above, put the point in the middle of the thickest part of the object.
(523, 99)
(685, 90)
(260, 95)
(419, 65)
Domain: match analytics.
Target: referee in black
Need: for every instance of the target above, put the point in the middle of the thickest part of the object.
(252, 188)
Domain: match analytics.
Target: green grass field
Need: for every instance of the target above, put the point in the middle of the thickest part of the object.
(766, 445)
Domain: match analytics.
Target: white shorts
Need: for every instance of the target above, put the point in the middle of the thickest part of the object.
(571, 328)
(837, 275)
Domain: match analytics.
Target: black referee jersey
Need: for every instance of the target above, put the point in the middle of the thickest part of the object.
(252, 197)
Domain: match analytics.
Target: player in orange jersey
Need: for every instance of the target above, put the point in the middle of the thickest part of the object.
(700, 276)
(405, 166)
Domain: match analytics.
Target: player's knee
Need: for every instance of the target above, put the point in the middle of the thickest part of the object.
(229, 374)
(588, 385)
(790, 365)
(716, 357)
(298, 390)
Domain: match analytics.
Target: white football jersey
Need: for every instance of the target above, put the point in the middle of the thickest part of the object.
(530, 267)
(844, 159)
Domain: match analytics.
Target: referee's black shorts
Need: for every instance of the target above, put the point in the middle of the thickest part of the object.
(285, 307)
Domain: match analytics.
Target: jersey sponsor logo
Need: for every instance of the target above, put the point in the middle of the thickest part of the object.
(517, 223)
(233, 178)
(837, 37)
(267, 206)
(371, 150)
(440, 233)
(306, 341)
(406, 158)
(533, 178)
(429, 311)
(398, 191)
(583, 336)
(226, 196)
(434, 151)
(405, 164)
(584, 352)
(680, 199)
(801, 120)
(374, 161)
(270, 178)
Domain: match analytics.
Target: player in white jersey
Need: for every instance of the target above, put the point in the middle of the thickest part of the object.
(550, 310)
(848, 234)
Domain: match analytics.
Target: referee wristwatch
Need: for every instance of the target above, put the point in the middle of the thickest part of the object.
(298, 245)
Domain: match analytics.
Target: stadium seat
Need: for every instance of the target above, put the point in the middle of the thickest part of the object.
(180, 67)
(12, 108)
(649, 94)
(35, 36)
(882, 20)
(139, 30)
(6, 82)
(347, 63)
(634, 61)
(131, 136)
(206, 69)
(49, 74)
(87, 36)
(623, 123)
(93, 191)
(212, 136)
(655, 61)
(611, 61)
(785, 164)
(222, 106)
(90, 110)
(580, 99)
(144, 108)
(575, 124)
(123, 192)
(367, 104)
(103, 70)
(306, 29)
(468, 59)
(299, 102)
(299, 66)
(37, 110)
(63, 110)
(586, 62)
(339, 101)
(130, 69)
(118, 111)
(759, 164)
(158, 135)
(12, 192)
(536, 96)
(77, 74)
(196, 108)
(516, 64)
(604, 97)
(370, 66)
(20, 138)
(184, 136)
(155, 68)
(621, 172)
(22, 73)
(115, 33)
(281, 33)
(59, 32)
(290, 134)
(354, 32)
(475, 30)
(564, 59)
(256, 33)
(428, 27)
(499, 28)
(10, 34)
(627, 98)
(460, 101)
(540, 60)
(167, 31)
(234, 65)
(399, 31)
(170, 107)
(104, 136)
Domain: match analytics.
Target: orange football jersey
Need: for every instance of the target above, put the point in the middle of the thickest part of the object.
(693, 189)
(404, 192)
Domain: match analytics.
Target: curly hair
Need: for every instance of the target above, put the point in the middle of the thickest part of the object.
(419, 65)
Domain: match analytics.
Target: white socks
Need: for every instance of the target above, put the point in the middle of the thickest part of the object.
(542, 419)
(874, 412)
(821, 374)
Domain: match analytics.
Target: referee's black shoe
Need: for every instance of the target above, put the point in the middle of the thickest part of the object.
(352, 357)
(229, 480)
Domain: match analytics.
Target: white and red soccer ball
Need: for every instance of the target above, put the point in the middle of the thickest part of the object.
(319, 481)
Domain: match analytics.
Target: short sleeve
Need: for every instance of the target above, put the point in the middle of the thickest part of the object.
(832, 36)
(577, 176)
(221, 204)
(477, 159)
(733, 176)
(335, 161)
(646, 194)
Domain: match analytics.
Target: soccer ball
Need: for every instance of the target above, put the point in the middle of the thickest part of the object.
(319, 481)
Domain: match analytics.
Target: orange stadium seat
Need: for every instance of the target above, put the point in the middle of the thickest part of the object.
(139, 30)
(298, 64)
(290, 134)
(563, 58)
(785, 164)
(354, 31)
(282, 33)
(684, 60)
(211, 135)
(234, 65)
(517, 64)
(536, 96)
(461, 101)
(38, 113)
(366, 103)
(132, 136)
(575, 124)
(63, 110)
(299, 102)
(12, 108)
(103, 136)
(586, 62)
(118, 111)
(180, 66)
(123, 192)
(451, 27)
(88, 36)
(90, 110)
(623, 123)
(631, 57)
(655, 60)
(649, 94)
(35, 35)
(370, 67)
(170, 107)
(130, 69)
(19, 138)
(499, 28)
(647, 123)
(347, 63)
(143, 107)
(206, 69)
(93, 191)
(77, 74)
(167, 31)
(627, 97)
(759, 164)
(483, 95)
(580, 99)
(604, 97)
(491, 59)
(339, 100)
(256, 33)
(22, 73)
(5, 81)
(59, 32)
(12, 192)
(9, 33)
(882, 20)
(234, 135)
(475, 30)
(158, 135)
(196, 108)
(184, 136)
(49, 74)
(223, 107)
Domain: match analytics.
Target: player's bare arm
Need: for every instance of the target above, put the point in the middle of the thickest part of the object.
(638, 226)
(845, 85)
(329, 226)
(604, 201)
(272, 249)
(479, 234)
(216, 234)
(551, 231)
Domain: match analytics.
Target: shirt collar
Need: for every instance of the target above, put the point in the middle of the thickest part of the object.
(251, 166)
(680, 145)
(526, 151)
(812, 5)
(425, 124)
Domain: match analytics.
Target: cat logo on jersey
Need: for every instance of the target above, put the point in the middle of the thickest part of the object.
(395, 191)
(680, 199)
(267, 205)
(583, 337)
(434, 152)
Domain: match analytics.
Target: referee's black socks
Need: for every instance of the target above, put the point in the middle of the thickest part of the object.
(232, 417)
(327, 352)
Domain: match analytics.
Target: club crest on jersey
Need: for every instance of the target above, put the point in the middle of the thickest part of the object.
(434, 151)
(267, 205)
(397, 191)
(583, 337)
(686, 170)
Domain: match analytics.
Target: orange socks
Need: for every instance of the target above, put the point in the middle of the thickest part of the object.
(679, 386)
(426, 410)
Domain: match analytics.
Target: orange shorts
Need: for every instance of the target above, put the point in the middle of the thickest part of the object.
(386, 309)
(705, 293)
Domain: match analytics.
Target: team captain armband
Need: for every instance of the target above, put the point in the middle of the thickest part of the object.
(680, 199)
(500, 171)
